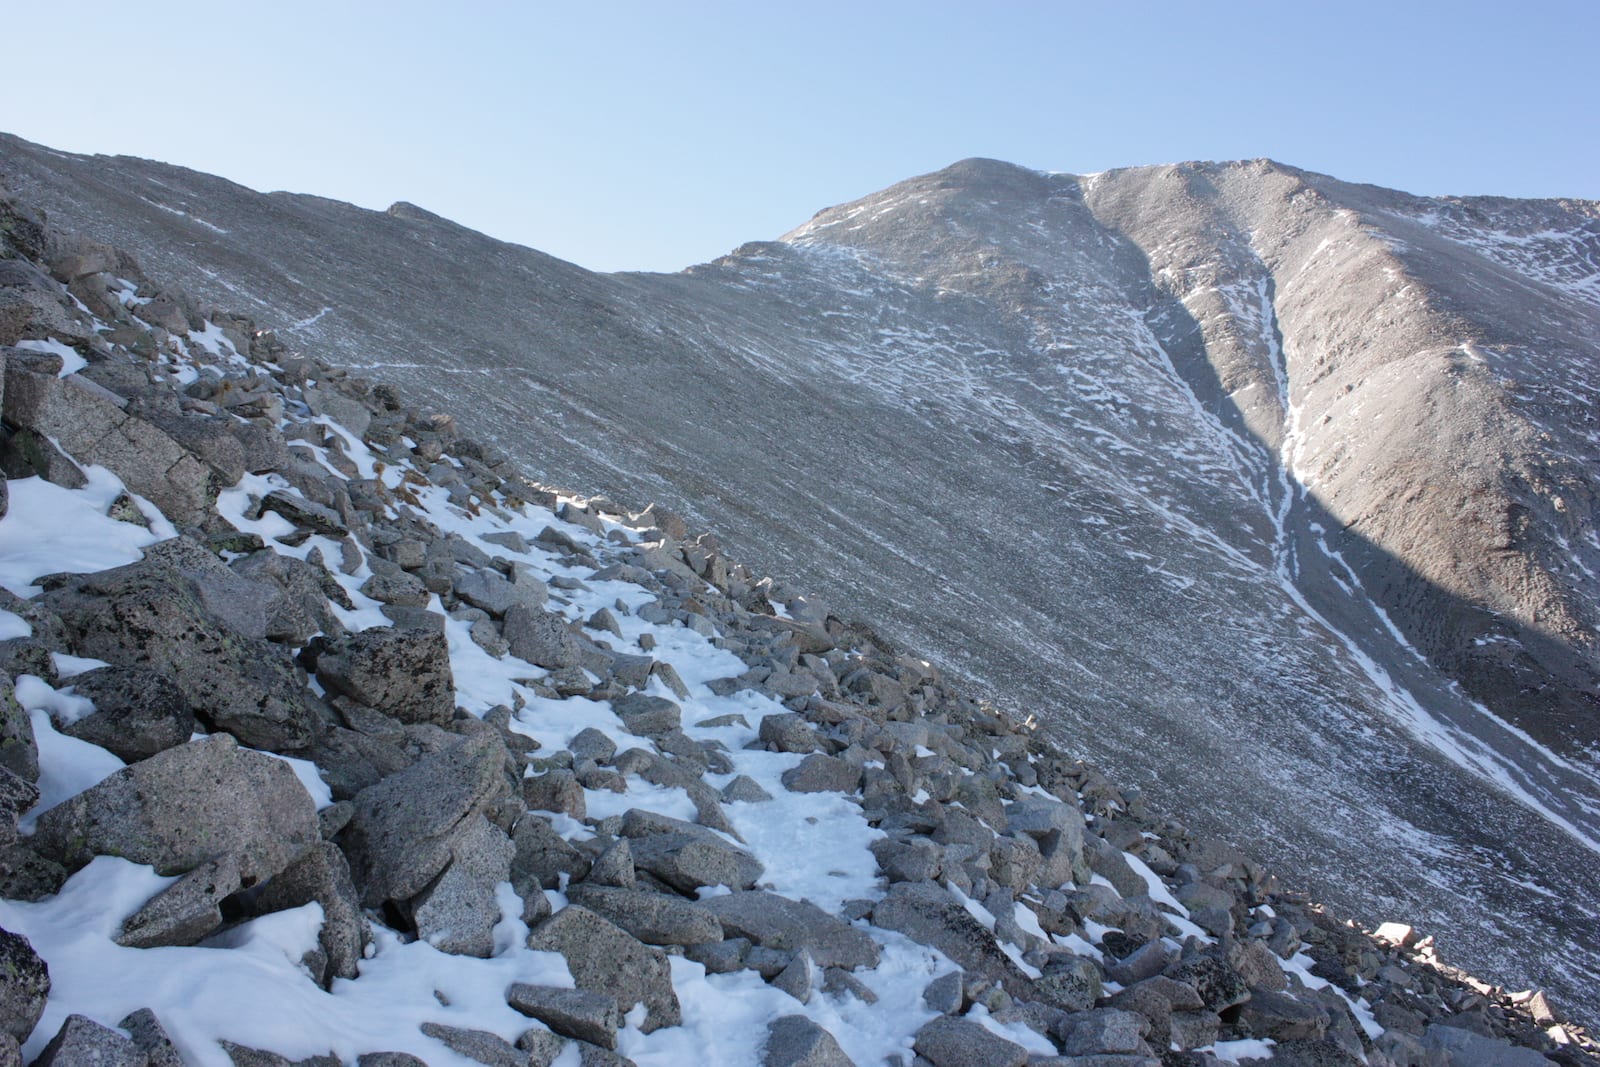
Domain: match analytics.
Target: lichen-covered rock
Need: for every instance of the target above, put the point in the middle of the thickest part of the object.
(25, 988)
(402, 673)
(137, 712)
(189, 626)
(187, 805)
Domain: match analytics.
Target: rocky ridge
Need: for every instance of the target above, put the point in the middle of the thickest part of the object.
(526, 727)
(1287, 438)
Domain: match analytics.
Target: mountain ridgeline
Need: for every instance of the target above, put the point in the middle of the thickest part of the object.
(1273, 494)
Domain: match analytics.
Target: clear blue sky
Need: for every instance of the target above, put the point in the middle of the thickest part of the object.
(630, 135)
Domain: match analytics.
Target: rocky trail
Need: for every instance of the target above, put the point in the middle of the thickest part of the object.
(329, 737)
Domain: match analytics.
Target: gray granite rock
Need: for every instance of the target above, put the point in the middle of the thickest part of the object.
(137, 712)
(952, 1042)
(404, 828)
(185, 806)
(654, 918)
(458, 911)
(404, 674)
(82, 1042)
(779, 922)
(604, 958)
(931, 916)
(151, 1038)
(187, 910)
(796, 1041)
(26, 987)
(322, 876)
(577, 1013)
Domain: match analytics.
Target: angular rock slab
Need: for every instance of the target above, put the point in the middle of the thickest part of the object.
(578, 1013)
(81, 1042)
(186, 911)
(458, 912)
(404, 828)
(792, 925)
(796, 1041)
(604, 958)
(323, 875)
(137, 712)
(953, 1042)
(187, 805)
(403, 673)
(654, 918)
(930, 916)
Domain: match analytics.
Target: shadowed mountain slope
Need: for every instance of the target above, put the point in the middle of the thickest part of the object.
(1273, 494)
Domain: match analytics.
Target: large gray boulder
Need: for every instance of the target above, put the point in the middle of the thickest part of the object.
(90, 424)
(405, 828)
(792, 925)
(137, 712)
(403, 673)
(930, 916)
(486, 589)
(204, 629)
(541, 638)
(187, 805)
(605, 958)
(1467, 1049)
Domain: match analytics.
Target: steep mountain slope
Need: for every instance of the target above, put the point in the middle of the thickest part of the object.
(1254, 486)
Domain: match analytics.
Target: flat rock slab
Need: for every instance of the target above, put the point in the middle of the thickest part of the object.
(792, 925)
(654, 918)
(604, 958)
(583, 1014)
(186, 911)
(185, 806)
(930, 916)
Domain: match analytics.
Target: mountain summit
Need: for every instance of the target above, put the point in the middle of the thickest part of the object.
(1274, 494)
